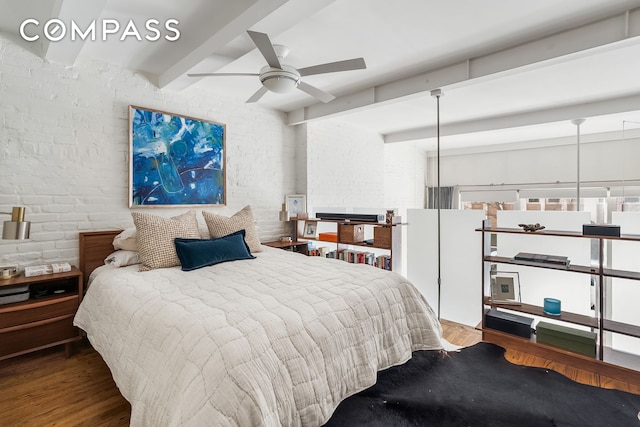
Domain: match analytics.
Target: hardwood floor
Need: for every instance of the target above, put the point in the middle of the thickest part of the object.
(46, 389)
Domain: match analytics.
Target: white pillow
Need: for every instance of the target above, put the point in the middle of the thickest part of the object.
(122, 258)
(127, 240)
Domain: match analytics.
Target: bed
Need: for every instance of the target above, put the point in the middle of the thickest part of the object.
(276, 340)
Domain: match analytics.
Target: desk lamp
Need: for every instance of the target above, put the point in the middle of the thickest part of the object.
(16, 229)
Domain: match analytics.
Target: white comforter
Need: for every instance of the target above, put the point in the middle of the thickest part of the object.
(278, 340)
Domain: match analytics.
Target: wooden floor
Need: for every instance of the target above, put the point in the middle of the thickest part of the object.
(45, 389)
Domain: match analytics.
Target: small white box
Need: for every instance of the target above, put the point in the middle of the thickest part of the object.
(60, 267)
(36, 270)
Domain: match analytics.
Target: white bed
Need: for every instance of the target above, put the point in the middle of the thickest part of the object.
(276, 340)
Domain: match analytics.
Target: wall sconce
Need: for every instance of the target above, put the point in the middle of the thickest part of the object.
(17, 228)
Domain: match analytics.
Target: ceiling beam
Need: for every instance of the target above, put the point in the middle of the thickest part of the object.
(607, 33)
(239, 18)
(82, 12)
(527, 118)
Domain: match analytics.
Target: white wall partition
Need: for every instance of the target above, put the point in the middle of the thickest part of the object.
(625, 294)
(572, 289)
(461, 263)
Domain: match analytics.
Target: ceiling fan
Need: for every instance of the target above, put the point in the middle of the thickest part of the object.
(280, 78)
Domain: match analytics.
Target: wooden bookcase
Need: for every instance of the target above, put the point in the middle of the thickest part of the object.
(383, 239)
(598, 322)
(293, 246)
(46, 318)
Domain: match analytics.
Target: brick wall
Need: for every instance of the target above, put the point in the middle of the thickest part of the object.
(64, 151)
(345, 166)
(404, 177)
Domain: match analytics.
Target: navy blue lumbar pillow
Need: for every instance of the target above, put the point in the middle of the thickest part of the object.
(198, 253)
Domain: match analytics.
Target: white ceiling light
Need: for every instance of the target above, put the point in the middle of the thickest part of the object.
(279, 80)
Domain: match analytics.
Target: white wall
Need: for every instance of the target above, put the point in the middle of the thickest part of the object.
(64, 150)
(404, 177)
(625, 293)
(460, 261)
(600, 161)
(345, 166)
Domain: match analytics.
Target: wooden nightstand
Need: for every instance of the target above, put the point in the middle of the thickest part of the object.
(295, 246)
(46, 318)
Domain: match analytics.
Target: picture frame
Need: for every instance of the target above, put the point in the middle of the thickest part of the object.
(505, 287)
(310, 230)
(296, 205)
(175, 160)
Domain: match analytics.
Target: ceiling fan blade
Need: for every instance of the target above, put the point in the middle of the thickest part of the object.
(221, 74)
(332, 67)
(265, 47)
(256, 96)
(315, 92)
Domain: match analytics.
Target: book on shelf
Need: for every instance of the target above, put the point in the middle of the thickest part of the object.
(543, 259)
(383, 262)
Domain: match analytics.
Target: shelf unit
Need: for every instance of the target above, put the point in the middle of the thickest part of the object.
(46, 318)
(388, 241)
(293, 246)
(598, 322)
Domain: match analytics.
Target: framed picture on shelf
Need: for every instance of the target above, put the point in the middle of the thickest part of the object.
(310, 230)
(296, 205)
(505, 287)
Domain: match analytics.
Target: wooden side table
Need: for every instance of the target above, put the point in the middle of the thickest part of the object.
(46, 318)
(294, 246)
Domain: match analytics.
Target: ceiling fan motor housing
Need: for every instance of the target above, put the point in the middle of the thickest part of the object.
(279, 80)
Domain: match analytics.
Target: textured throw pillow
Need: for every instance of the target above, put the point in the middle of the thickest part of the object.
(220, 226)
(198, 253)
(156, 234)
(126, 240)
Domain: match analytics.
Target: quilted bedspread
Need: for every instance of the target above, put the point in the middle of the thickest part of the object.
(276, 340)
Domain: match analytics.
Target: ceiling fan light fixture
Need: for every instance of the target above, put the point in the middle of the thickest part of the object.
(280, 80)
(280, 83)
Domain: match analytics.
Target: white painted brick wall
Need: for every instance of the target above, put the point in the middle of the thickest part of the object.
(64, 151)
(345, 166)
(404, 177)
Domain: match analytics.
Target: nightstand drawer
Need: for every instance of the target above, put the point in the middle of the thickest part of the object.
(45, 333)
(37, 310)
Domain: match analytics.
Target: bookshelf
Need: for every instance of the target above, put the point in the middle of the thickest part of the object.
(357, 242)
(598, 322)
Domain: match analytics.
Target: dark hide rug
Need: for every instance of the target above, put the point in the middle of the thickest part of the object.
(479, 387)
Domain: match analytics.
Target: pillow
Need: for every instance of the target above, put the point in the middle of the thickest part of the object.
(122, 258)
(220, 226)
(155, 236)
(126, 240)
(198, 253)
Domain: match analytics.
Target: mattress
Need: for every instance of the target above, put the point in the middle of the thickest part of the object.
(277, 340)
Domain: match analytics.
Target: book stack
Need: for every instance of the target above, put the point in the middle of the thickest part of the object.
(321, 251)
(360, 257)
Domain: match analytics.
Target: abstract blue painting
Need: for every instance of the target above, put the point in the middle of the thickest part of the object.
(175, 160)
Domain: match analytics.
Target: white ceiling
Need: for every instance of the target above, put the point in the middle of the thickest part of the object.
(510, 70)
